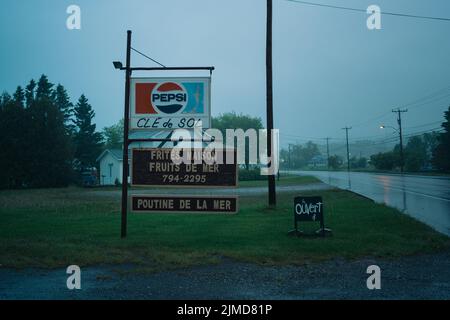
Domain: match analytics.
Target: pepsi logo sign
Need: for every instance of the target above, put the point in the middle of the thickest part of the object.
(169, 97)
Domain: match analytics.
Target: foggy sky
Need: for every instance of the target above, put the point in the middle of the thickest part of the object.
(330, 71)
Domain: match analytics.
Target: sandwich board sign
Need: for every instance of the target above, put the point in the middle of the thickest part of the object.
(170, 103)
(309, 209)
(154, 167)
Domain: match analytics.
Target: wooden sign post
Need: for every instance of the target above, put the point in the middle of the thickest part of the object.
(168, 104)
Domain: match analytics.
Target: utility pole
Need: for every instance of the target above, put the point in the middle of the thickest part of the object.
(328, 153)
(289, 148)
(269, 102)
(348, 151)
(399, 121)
(126, 115)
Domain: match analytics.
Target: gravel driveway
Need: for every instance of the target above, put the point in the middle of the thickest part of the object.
(415, 277)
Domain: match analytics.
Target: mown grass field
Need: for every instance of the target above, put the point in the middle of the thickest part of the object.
(58, 227)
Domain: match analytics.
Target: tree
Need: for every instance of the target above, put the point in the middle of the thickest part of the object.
(65, 107)
(49, 144)
(301, 155)
(441, 155)
(30, 93)
(231, 120)
(358, 163)
(87, 141)
(415, 154)
(310, 150)
(384, 161)
(335, 162)
(114, 136)
(36, 135)
(8, 143)
(431, 141)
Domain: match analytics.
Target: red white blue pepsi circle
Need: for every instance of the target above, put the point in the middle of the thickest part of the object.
(169, 97)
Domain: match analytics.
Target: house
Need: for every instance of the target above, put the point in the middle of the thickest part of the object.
(318, 161)
(111, 166)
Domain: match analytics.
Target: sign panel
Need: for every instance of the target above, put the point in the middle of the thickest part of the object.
(170, 103)
(308, 209)
(184, 203)
(154, 167)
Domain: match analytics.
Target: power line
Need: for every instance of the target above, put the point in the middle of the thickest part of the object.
(405, 15)
(418, 133)
(389, 139)
(146, 56)
(424, 125)
(431, 95)
(372, 119)
(305, 138)
(395, 138)
(413, 104)
(430, 101)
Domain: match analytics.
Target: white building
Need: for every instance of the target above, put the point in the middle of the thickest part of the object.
(111, 167)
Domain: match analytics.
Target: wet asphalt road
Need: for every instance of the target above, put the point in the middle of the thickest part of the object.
(426, 198)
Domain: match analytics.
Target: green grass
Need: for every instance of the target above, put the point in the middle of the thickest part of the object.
(285, 180)
(58, 227)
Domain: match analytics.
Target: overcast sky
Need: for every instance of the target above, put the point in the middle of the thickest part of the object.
(329, 69)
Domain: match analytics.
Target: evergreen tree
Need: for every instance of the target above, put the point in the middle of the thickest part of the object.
(13, 137)
(5, 101)
(36, 136)
(65, 107)
(44, 89)
(19, 97)
(50, 142)
(87, 141)
(30, 92)
(441, 155)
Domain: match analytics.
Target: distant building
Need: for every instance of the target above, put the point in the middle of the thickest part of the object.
(111, 167)
(318, 161)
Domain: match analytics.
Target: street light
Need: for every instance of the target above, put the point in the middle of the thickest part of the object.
(118, 65)
(384, 127)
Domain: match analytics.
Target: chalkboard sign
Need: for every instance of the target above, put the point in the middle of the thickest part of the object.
(309, 209)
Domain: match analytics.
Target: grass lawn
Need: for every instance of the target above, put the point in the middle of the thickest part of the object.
(59, 227)
(285, 180)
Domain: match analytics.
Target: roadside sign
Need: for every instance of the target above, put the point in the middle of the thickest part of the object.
(154, 167)
(170, 103)
(309, 209)
(183, 203)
